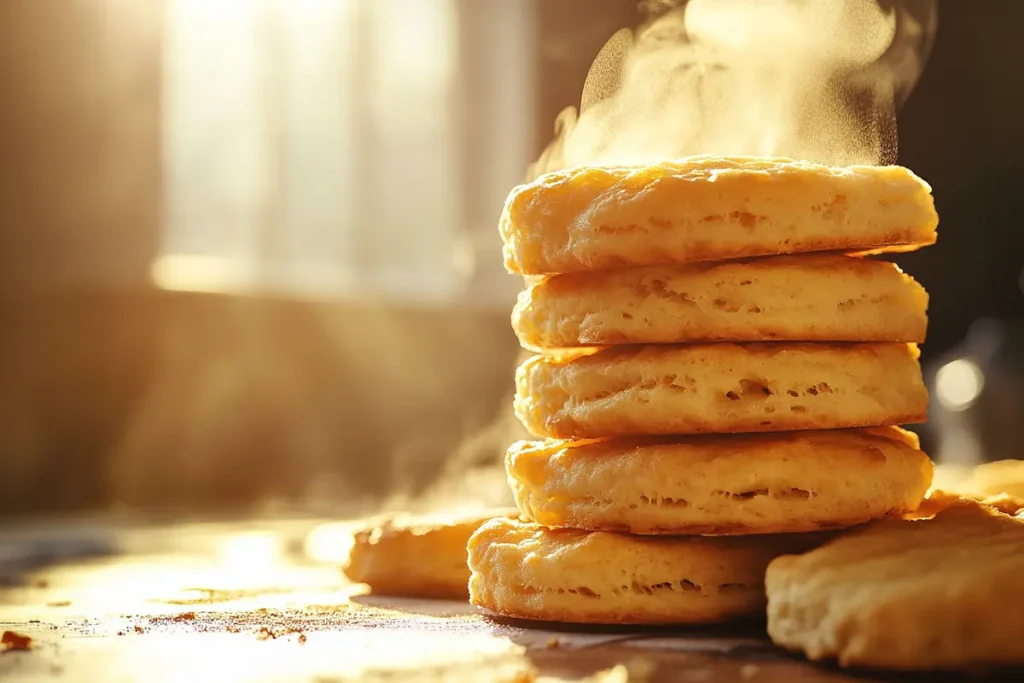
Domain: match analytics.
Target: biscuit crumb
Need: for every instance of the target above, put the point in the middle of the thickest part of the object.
(11, 641)
(553, 642)
(749, 670)
(265, 634)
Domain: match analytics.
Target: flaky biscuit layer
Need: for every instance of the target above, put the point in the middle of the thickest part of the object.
(714, 388)
(526, 571)
(732, 484)
(710, 209)
(796, 298)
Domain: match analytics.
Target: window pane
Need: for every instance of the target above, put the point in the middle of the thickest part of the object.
(320, 146)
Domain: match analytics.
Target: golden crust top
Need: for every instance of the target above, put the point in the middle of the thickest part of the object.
(710, 208)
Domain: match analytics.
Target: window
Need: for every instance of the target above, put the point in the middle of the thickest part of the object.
(343, 147)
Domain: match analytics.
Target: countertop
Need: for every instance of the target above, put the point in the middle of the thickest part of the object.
(107, 601)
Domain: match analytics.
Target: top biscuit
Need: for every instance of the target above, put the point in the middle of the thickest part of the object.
(710, 209)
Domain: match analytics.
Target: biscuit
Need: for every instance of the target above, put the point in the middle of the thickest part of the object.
(730, 484)
(1005, 502)
(939, 499)
(416, 555)
(710, 209)
(795, 298)
(981, 481)
(635, 390)
(935, 593)
(527, 571)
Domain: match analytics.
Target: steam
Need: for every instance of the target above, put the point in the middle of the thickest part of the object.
(801, 78)
(472, 478)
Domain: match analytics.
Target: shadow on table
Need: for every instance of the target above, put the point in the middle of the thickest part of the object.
(738, 650)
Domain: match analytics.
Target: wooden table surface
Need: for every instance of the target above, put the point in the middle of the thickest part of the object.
(263, 601)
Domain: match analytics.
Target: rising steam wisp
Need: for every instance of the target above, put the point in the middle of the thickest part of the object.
(800, 78)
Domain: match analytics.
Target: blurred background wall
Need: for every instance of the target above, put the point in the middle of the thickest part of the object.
(248, 251)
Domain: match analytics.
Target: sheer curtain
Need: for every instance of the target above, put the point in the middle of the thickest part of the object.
(343, 147)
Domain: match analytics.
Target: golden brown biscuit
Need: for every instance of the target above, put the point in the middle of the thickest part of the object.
(710, 209)
(812, 297)
(526, 571)
(416, 555)
(907, 594)
(982, 481)
(636, 390)
(1005, 503)
(729, 484)
(1000, 476)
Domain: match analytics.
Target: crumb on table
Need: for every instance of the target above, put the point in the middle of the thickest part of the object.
(11, 640)
(265, 633)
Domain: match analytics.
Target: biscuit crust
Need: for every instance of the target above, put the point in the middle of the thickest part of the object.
(710, 209)
(716, 388)
(421, 556)
(936, 593)
(981, 481)
(811, 297)
(733, 484)
(527, 571)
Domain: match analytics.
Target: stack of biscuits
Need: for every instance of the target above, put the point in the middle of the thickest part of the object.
(719, 371)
